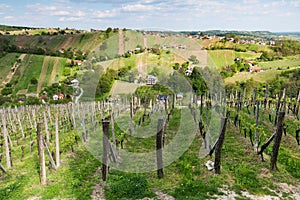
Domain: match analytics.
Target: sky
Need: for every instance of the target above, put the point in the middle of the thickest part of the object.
(175, 15)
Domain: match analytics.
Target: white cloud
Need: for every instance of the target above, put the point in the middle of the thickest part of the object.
(69, 19)
(60, 12)
(9, 17)
(138, 7)
(4, 7)
(105, 13)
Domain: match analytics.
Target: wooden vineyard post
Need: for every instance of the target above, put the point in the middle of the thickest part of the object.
(277, 140)
(159, 158)
(219, 144)
(253, 101)
(46, 128)
(6, 143)
(41, 154)
(131, 115)
(57, 142)
(105, 140)
(277, 108)
(256, 125)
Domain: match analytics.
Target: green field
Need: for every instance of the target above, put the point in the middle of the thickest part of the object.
(122, 87)
(247, 55)
(285, 63)
(132, 39)
(6, 63)
(84, 42)
(31, 67)
(260, 77)
(220, 58)
(54, 70)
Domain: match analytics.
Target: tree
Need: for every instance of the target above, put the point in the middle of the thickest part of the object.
(155, 71)
(194, 59)
(33, 81)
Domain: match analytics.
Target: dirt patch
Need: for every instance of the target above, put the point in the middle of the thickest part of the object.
(121, 42)
(98, 191)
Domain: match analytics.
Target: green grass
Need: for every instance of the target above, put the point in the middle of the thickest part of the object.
(220, 58)
(289, 62)
(30, 68)
(247, 55)
(260, 77)
(55, 68)
(132, 39)
(6, 63)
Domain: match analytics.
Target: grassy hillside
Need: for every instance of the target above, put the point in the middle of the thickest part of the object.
(287, 62)
(6, 64)
(45, 69)
(84, 42)
(220, 58)
(260, 77)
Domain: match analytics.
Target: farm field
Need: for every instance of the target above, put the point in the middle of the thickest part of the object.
(122, 87)
(45, 69)
(289, 62)
(6, 64)
(84, 42)
(220, 58)
(31, 67)
(260, 77)
(247, 55)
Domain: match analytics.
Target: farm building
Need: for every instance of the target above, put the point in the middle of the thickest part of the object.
(151, 80)
(78, 62)
(254, 69)
(75, 82)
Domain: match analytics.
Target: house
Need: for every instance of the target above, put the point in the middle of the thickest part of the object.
(74, 82)
(151, 80)
(188, 72)
(162, 97)
(254, 69)
(179, 96)
(61, 96)
(44, 99)
(55, 97)
(78, 62)
(21, 100)
(272, 42)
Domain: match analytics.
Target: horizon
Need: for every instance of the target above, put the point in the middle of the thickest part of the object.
(149, 29)
(267, 15)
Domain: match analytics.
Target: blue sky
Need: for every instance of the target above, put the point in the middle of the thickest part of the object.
(275, 15)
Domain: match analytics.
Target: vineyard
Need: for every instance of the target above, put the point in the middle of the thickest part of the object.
(255, 141)
(116, 136)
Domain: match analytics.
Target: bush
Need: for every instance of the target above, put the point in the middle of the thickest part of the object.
(67, 72)
(33, 81)
(6, 91)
